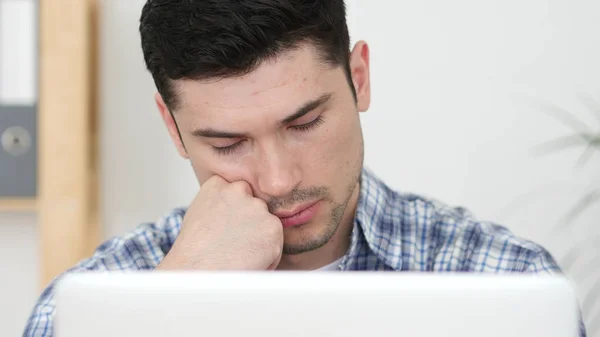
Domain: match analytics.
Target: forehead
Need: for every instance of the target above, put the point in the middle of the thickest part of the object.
(281, 83)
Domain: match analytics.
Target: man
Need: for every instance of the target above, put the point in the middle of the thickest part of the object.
(263, 98)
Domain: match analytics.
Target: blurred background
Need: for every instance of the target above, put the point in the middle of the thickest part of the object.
(490, 105)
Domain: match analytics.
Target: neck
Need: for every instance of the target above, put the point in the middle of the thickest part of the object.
(332, 250)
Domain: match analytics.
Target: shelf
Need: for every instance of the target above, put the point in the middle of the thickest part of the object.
(67, 206)
(17, 205)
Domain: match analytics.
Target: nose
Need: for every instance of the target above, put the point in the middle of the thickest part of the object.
(278, 173)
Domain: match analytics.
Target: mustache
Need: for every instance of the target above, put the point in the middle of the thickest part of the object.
(297, 196)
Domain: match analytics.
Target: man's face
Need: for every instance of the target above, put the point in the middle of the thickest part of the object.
(290, 129)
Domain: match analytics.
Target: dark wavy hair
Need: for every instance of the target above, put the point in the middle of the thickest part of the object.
(202, 39)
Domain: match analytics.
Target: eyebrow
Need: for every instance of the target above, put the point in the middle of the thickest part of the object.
(306, 108)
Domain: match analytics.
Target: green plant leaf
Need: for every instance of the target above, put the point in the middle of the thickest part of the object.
(587, 154)
(567, 118)
(577, 251)
(588, 269)
(591, 299)
(562, 143)
(592, 105)
(583, 204)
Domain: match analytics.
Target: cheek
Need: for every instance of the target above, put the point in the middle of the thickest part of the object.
(206, 164)
(227, 171)
(335, 151)
(201, 171)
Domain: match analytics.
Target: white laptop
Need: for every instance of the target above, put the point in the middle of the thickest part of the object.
(322, 304)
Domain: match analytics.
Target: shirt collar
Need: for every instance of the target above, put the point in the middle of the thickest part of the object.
(373, 225)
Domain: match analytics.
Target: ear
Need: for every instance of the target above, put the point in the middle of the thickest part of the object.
(167, 117)
(359, 68)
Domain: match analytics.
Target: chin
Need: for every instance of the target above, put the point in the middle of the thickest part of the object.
(307, 237)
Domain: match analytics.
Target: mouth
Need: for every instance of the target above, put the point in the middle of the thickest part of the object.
(299, 215)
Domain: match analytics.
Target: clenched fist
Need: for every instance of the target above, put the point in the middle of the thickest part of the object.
(226, 228)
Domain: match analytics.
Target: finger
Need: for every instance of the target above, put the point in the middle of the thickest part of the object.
(214, 181)
(242, 186)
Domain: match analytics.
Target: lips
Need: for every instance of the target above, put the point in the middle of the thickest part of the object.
(298, 216)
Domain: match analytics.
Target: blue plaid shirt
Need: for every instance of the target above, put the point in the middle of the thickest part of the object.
(392, 232)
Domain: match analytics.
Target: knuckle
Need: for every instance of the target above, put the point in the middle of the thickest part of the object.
(274, 247)
(276, 250)
(275, 228)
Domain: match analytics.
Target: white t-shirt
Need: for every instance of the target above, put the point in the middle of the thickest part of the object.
(333, 265)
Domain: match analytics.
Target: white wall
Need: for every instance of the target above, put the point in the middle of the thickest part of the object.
(457, 109)
(142, 175)
(452, 117)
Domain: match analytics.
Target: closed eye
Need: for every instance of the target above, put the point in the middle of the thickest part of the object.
(226, 150)
(310, 125)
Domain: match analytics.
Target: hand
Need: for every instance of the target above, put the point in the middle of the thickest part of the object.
(226, 228)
